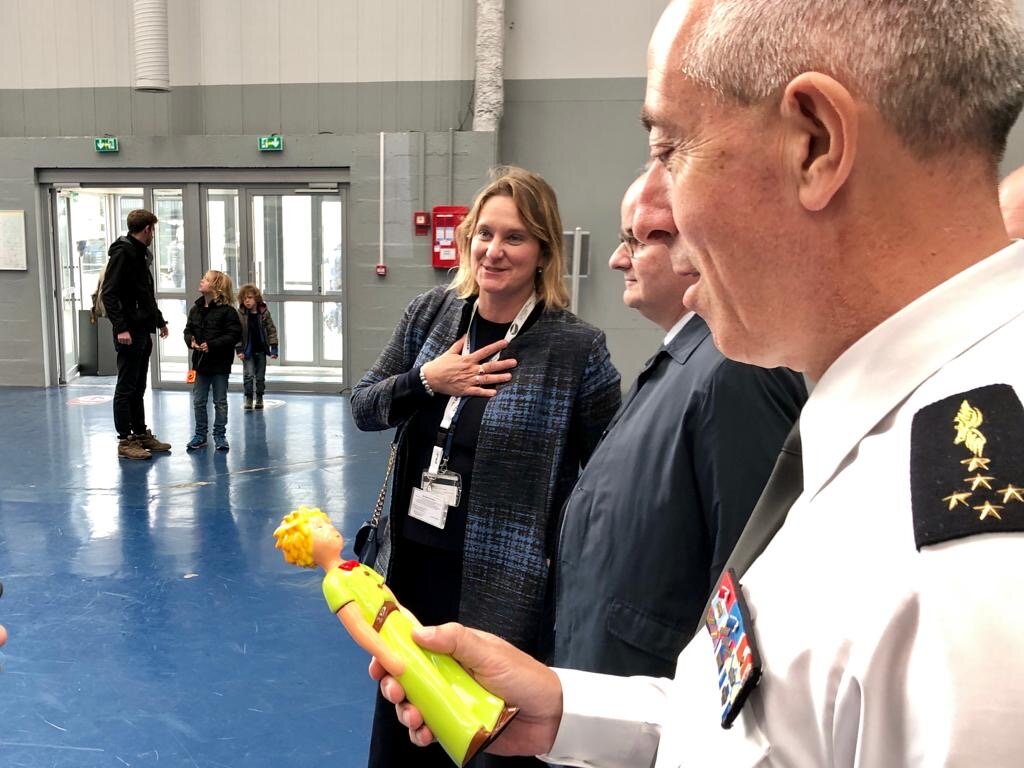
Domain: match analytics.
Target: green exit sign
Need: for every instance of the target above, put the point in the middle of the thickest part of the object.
(105, 144)
(272, 143)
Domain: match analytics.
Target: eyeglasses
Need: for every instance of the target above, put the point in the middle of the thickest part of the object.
(632, 246)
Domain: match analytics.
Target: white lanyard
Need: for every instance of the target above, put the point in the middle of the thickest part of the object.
(452, 408)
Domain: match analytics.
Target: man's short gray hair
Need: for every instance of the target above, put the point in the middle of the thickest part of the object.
(943, 73)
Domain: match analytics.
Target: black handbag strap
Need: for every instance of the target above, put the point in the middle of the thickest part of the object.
(393, 453)
(375, 519)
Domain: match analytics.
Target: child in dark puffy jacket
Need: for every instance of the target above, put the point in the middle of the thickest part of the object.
(212, 331)
(259, 339)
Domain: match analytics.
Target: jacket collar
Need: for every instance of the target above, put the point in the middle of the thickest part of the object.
(201, 302)
(690, 336)
(137, 245)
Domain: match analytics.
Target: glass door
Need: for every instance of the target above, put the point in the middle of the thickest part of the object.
(67, 338)
(297, 261)
(86, 221)
(171, 262)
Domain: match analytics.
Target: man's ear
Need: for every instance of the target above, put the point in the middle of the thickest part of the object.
(821, 121)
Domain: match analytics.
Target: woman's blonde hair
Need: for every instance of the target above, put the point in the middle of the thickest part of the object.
(220, 283)
(537, 206)
(294, 538)
(249, 289)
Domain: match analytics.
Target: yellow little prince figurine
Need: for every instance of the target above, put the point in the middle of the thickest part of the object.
(462, 715)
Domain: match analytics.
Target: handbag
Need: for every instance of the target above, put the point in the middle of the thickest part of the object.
(367, 541)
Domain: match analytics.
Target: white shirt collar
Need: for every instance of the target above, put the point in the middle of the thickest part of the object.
(889, 362)
(675, 329)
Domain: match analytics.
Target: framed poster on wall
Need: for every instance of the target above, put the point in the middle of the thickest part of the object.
(12, 240)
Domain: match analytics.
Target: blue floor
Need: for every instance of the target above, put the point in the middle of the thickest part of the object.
(151, 620)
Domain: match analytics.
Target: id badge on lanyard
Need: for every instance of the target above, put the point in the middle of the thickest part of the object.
(438, 483)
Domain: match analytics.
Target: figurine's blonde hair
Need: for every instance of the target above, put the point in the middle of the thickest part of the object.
(294, 538)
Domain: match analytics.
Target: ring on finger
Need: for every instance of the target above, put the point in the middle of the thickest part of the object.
(481, 371)
(476, 379)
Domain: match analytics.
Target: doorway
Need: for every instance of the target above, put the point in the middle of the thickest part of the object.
(86, 222)
(287, 240)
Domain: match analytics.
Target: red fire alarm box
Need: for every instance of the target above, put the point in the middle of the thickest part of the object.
(446, 219)
(421, 222)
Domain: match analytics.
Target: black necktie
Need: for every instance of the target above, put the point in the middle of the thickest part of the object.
(783, 488)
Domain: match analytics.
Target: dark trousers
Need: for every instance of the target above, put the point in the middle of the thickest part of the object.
(217, 383)
(132, 370)
(254, 373)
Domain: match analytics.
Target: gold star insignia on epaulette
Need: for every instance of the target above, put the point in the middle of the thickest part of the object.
(1009, 492)
(979, 479)
(988, 509)
(958, 498)
(976, 462)
(978, 475)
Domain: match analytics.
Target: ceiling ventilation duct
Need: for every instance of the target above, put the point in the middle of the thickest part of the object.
(152, 70)
(489, 101)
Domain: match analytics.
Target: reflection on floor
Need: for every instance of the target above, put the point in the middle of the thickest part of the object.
(152, 622)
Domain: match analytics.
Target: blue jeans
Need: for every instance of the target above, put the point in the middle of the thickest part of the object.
(254, 370)
(218, 382)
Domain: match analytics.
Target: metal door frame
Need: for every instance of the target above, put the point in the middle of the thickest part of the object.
(316, 295)
(190, 181)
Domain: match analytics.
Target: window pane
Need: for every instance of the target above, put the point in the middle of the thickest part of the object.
(297, 344)
(173, 352)
(297, 240)
(333, 349)
(259, 248)
(125, 205)
(169, 242)
(331, 246)
(222, 231)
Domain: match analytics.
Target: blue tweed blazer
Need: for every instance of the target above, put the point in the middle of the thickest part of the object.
(535, 435)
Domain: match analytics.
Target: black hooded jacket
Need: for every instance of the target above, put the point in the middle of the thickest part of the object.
(129, 299)
(218, 325)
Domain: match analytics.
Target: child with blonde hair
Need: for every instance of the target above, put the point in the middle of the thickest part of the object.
(212, 331)
(259, 339)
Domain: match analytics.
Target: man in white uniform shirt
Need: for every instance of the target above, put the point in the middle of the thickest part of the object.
(833, 177)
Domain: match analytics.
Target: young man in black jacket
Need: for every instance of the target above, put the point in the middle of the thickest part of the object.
(129, 300)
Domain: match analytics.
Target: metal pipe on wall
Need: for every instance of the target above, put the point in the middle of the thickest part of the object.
(380, 210)
(423, 170)
(451, 166)
(152, 67)
(577, 249)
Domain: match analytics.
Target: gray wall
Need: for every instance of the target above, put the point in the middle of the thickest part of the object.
(27, 346)
(330, 74)
(585, 137)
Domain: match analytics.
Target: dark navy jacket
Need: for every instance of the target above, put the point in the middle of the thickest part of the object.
(661, 503)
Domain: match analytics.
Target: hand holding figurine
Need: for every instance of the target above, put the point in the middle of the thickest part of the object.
(462, 715)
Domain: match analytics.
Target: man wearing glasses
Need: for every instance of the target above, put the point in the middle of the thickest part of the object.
(663, 499)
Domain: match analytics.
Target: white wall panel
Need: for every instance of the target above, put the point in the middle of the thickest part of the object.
(38, 43)
(67, 44)
(10, 45)
(337, 41)
(260, 45)
(183, 29)
(298, 26)
(578, 39)
(106, 29)
(48, 44)
(221, 23)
